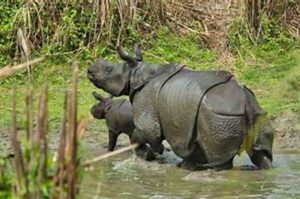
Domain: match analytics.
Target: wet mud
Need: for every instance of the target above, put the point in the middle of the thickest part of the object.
(287, 132)
(286, 126)
(126, 176)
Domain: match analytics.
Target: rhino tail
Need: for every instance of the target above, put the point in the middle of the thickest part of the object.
(250, 116)
(250, 111)
(259, 136)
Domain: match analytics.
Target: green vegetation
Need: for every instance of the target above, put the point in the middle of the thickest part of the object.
(268, 62)
(35, 172)
(267, 68)
(5, 179)
(268, 65)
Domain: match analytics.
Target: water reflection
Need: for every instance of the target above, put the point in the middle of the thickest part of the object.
(130, 177)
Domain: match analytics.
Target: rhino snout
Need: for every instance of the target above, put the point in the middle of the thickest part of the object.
(97, 112)
(90, 73)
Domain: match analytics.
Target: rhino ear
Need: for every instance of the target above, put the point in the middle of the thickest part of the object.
(97, 96)
(138, 53)
(126, 57)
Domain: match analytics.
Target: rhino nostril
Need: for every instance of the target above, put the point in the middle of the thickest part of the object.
(89, 71)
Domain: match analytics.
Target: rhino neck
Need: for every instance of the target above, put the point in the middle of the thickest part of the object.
(126, 87)
(144, 73)
(107, 107)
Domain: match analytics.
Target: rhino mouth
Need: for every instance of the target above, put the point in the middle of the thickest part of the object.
(91, 76)
(98, 113)
(93, 79)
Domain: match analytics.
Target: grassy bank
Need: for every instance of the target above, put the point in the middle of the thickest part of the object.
(262, 51)
(270, 69)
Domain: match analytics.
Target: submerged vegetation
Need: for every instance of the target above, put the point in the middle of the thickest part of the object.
(259, 43)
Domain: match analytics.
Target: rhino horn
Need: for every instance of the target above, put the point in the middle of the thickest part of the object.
(126, 57)
(138, 53)
(97, 96)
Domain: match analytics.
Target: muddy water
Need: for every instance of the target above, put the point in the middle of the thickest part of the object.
(126, 176)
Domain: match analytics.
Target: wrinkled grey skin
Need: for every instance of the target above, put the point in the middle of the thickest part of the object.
(118, 116)
(206, 116)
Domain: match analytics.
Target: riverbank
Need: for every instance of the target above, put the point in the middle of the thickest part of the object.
(270, 69)
(94, 141)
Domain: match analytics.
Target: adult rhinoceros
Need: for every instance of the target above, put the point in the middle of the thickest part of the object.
(206, 116)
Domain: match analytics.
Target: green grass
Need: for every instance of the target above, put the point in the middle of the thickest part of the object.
(274, 78)
(269, 69)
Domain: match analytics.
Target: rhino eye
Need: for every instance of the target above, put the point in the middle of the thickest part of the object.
(107, 70)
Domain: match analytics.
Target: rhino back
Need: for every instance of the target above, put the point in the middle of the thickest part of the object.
(120, 117)
(126, 117)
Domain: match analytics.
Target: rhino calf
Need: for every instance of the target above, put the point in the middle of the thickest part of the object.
(117, 114)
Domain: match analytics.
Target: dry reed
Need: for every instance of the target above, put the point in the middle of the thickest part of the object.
(65, 184)
(9, 71)
(108, 20)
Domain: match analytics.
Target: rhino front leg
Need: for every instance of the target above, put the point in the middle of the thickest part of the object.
(112, 140)
(159, 148)
(143, 150)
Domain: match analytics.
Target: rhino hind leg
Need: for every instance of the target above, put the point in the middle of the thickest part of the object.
(220, 137)
(261, 153)
(192, 166)
(261, 160)
(196, 161)
(226, 166)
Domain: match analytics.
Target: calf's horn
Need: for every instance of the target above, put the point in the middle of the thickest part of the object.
(97, 96)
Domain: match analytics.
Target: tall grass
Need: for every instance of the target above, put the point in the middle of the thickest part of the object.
(37, 173)
(286, 13)
(74, 25)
